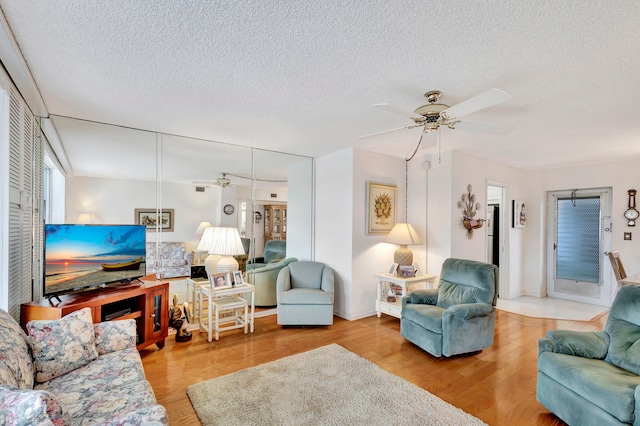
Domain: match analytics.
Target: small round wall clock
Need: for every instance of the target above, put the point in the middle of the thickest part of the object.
(228, 209)
(631, 213)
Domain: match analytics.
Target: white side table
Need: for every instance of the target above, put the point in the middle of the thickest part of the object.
(224, 299)
(192, 293)
(394, 308)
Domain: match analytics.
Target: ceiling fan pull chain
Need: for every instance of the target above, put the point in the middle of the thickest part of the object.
(439, 150)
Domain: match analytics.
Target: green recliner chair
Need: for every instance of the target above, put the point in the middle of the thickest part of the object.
(265, 281)
(593, 378)
(274, 250)
(459, 316)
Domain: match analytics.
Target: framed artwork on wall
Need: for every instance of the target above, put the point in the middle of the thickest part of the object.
(381, 207)
(149, 218)
(519, 217)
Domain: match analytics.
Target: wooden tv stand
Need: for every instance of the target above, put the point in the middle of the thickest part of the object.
(148, 304)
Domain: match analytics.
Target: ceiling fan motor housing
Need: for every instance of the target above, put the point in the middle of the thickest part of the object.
(431, 113)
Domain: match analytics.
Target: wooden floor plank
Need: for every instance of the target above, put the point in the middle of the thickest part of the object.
(496, 385)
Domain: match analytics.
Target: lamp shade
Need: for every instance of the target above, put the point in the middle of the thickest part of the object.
(227, 242)
(206, 242)
(403, 234)
(200, 229)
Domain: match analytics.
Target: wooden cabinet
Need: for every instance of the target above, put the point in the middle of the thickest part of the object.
(148, 304)
(275, 222)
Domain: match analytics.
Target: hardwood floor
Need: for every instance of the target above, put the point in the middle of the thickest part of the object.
(496, 385)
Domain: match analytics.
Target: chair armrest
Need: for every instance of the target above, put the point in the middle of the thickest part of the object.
(188, 257)
(471, 310)
(585, 344)
(427, 296)
(283, 282)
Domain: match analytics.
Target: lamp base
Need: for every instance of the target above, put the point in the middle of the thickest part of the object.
(403, 256)
(227, 264)
(210, 263)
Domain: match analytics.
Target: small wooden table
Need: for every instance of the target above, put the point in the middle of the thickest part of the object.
(394, 308)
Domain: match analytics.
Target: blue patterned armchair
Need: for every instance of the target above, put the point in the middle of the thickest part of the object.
(459, 316)
(170, 261)
(593, 378)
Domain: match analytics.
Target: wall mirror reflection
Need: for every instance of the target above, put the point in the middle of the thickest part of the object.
(116, 172)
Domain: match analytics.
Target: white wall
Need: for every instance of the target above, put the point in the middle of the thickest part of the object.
(447, 237)
(334, 227)
(341, 240)
(114, 201)
(300, 210)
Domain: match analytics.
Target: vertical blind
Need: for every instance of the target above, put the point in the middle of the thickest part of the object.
(578, 238)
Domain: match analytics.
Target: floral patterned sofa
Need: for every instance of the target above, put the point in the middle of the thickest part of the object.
(73, 372)
(172, 259)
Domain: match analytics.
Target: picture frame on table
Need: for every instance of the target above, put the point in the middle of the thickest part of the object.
(381, 207)
(406, 271)
(237, 279)
(220, 280)
(418, 270)
(393, 269)
(150, 218)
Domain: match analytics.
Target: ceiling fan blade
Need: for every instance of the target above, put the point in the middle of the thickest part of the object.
(480, 126)
(385, 131)
(484, 100)
(396, 110)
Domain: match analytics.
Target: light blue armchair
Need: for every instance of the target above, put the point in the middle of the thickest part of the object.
(265, 281)
(459, 316)
(593, 378)
(305, 294)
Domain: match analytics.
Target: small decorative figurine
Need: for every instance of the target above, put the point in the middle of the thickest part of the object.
(180, 320)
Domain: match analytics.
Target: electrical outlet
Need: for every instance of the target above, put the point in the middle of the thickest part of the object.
(627, 236)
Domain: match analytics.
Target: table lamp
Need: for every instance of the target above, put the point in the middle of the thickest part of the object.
(205, 244)
(200, 231)
(404, 235)
(227, 243)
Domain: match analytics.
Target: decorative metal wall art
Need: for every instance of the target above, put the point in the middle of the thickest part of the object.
(469, 208)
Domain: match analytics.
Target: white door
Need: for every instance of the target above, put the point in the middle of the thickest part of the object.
(579, 235)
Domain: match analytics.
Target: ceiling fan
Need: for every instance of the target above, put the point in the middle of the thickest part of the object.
(224, 181)
(434, 115)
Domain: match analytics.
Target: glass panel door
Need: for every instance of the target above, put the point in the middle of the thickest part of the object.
(577, 245)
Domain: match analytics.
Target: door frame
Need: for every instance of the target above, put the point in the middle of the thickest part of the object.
(605, 245)
(503, 270)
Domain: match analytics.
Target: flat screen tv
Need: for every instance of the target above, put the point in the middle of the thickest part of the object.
(79, 257)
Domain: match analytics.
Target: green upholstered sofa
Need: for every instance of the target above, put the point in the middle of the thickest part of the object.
(264, 279)
(593, 378)
(459, 316)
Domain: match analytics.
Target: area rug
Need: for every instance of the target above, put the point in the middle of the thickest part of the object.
(552, 308)
(325, 386)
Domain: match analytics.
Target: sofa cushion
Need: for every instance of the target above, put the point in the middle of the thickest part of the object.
(623, 328)
(604, 385)
(106, 373)
(31, 407)
(115, 335)
(61, 346)
(426, 316)
(466, 281)
(305, 296)
(16, 364)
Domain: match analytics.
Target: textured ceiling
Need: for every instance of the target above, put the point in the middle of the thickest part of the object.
(300, 76)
